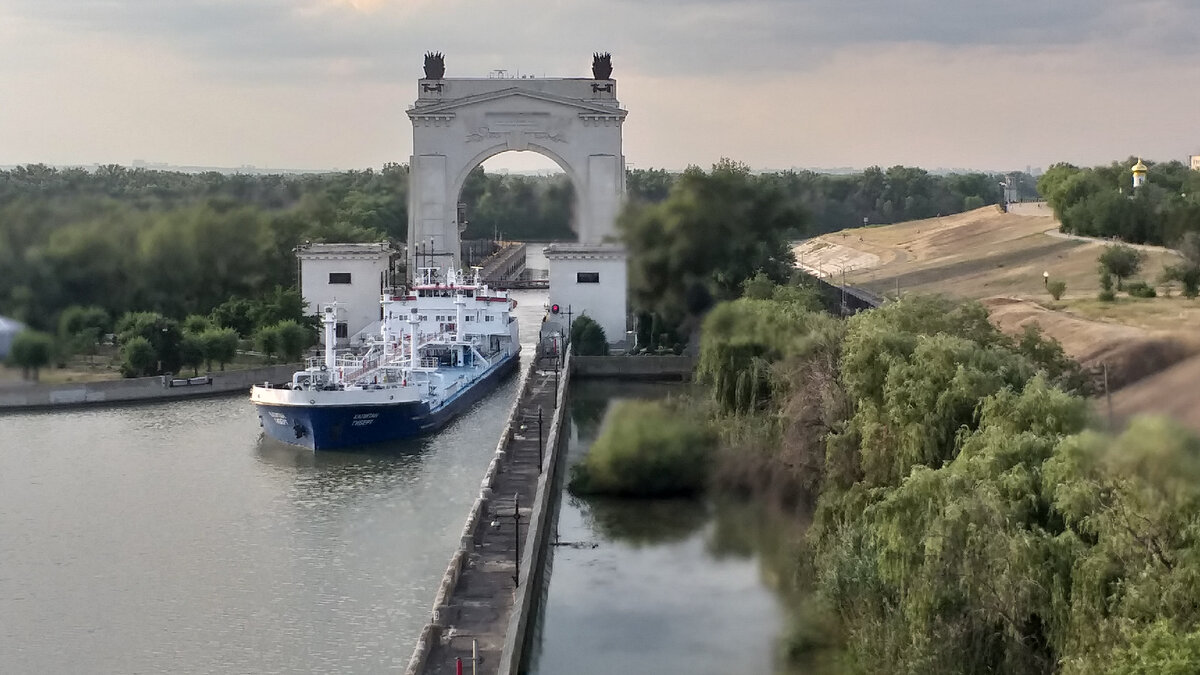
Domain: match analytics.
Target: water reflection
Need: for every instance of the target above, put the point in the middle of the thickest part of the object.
(644, 522)
(679, 586)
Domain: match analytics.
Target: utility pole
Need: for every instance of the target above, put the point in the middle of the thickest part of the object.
(540, 461)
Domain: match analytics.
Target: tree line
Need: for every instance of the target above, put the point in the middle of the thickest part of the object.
(1102, 202)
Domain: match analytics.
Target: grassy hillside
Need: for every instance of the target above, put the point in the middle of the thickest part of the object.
(1000, 258)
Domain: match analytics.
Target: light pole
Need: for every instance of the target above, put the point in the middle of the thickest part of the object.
(1046, 279)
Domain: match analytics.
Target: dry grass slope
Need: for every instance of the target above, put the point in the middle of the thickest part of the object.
(1000, 258)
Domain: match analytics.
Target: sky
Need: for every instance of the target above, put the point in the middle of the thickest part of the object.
(323, 84)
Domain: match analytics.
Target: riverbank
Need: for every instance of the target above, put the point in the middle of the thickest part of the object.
(38, 396)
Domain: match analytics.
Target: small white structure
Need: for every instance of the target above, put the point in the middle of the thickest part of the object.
(352, 275)
(1139, 173)
(592, 280)
(1194, 160)
(8, 331)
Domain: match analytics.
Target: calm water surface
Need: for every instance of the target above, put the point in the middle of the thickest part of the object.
(174, 538)
(671, 586)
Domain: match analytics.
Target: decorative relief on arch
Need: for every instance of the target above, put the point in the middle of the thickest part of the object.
(517, 126)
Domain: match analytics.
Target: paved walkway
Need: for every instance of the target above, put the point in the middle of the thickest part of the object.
(482, 602)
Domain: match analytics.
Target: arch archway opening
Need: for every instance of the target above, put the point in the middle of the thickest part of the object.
(524, 196)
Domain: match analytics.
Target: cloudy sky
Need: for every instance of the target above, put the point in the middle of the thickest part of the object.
(773, 83)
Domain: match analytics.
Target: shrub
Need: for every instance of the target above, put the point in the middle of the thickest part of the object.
(1140, 289)
(191, 352)
(1057, 288)
(587, 337)
(1106, 296)
(220, 345)
(138, 357)
(267, 340)
(293, 339)
(31, 351)
(196, 323)
(647, 450)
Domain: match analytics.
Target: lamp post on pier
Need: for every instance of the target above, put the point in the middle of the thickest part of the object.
(540, 433)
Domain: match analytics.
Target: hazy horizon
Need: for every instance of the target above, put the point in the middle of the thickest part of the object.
(323, 84)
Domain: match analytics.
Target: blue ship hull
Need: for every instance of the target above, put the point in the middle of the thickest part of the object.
(346, 426)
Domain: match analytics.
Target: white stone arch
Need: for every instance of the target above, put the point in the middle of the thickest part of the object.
(458, 123)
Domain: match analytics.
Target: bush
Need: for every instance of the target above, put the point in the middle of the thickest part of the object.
(647, 450)
(293, 339)
(31, 351)
(220, 345)
(1140, 289)
(1106, 296)
(191, 352)
(587, 337)
(1057, 288)
(267, 340)
(138, 357)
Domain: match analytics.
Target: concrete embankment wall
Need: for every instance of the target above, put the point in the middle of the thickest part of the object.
(634, 367)
(537, 538)
(432, 632)
(26, 396)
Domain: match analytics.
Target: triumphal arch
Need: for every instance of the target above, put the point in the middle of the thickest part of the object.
(460, 122)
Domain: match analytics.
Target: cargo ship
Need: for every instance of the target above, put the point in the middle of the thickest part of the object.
(443, 344)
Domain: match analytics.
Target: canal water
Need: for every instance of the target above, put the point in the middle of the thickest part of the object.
(174, 538)
(659, 586)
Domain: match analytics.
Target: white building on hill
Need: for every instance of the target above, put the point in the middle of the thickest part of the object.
(353, 276)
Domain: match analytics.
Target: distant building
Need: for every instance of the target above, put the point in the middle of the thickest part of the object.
(1139, 173)
(8, 330)
(353, 276)
(1195, 162)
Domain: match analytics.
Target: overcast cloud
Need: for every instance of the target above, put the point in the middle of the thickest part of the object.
(324, 82)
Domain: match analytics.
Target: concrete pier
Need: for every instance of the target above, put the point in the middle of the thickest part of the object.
(486, 596)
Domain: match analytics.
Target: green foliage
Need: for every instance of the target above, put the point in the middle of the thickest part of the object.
(220, 345)
(31, 351)
(236, 313)
(267, 341)
(1056, 288)
(1187, 272)
(81, 328)
(741, 340)
(714, 231)
(294, 338)
(587, 337)
(196, 323)
(1121, 261)
(1140, 289)
(1100, 201)
(138, 357)
(648, 449)
(162, 333)
(191, 351)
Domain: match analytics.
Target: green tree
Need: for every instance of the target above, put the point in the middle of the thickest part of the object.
(31, 351)
(294, 338)
(587, 337)
(196, 323)
(1056, 288)
(191, 351)
(1187, 272)
(81, 328)
(267, 339)
(714, 231)
(220, 345)
(138, 357)
(235, 313)
(1121, 261)
(162, 333)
